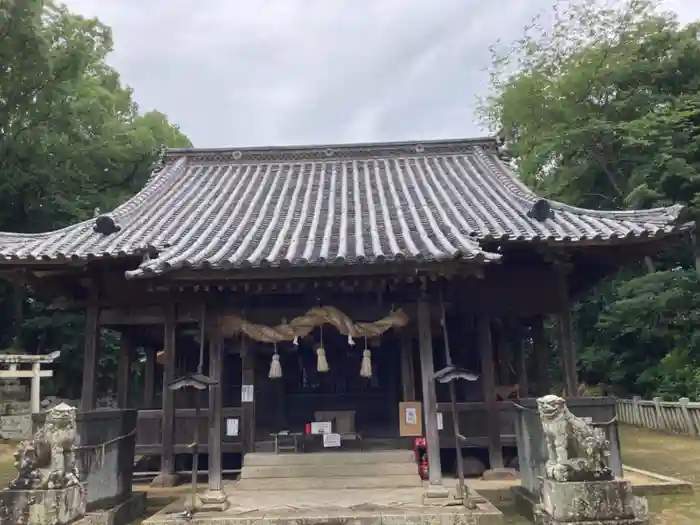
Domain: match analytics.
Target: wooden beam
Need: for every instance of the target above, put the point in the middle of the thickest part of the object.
(126, 350)
(488, 376)
(145, 315)
(456, 267)
(425, 341)
(407, 372)
(91, 360)
(167, 476)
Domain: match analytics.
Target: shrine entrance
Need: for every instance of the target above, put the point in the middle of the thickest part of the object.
(337, 399)
(322, 378)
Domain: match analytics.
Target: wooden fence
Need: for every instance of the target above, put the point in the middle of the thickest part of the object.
(680, 417)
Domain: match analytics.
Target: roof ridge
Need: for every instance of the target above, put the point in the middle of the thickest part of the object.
(328, 152)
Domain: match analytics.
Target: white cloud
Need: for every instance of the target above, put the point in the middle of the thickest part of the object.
(267, 72)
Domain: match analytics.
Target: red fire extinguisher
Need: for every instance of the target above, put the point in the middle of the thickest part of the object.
(421, 455)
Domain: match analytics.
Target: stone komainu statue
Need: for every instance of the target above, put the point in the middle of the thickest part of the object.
(47, 461)
(576, 451)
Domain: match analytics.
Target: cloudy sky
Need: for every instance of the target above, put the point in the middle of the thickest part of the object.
(275, 72)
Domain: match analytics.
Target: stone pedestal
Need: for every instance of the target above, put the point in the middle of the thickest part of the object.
(215, 500)
(43, 507)
(590, 502)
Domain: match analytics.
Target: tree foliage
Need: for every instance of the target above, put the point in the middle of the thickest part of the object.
(72, 139)
(602, 110)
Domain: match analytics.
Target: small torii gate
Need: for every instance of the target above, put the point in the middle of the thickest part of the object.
(13, 361)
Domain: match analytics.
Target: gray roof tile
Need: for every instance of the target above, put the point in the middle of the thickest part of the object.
(331, 205)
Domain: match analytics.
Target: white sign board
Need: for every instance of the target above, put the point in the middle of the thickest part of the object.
(439, 420)
(588, 420)
(321, 427)
(232, 426)
(247, 393)
(331, 440)
(411, 416)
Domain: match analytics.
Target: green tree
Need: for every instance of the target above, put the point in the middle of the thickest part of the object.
(71, 140)
(602, 110)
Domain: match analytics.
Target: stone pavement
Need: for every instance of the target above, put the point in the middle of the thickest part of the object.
(346, 507)
(365, 506)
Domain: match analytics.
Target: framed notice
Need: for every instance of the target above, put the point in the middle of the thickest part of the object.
(247, 393)
(439, 420)
(331, 440)
(321, 427)
(232, 426)
(410, 419)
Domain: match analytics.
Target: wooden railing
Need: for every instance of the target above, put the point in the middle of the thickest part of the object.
(149, 430)
(473, 423)
(680, 417)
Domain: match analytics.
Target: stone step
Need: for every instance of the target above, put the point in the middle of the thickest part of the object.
(329, 471)
(258, 459)
(339, 483)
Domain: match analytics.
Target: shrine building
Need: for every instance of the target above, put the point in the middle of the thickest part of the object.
(323, 284)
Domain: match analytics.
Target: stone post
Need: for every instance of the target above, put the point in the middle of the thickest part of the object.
(36, 388)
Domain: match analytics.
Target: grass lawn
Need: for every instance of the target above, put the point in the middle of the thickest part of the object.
(676, 456)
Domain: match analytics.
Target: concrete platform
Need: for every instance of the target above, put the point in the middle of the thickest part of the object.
(346, 507)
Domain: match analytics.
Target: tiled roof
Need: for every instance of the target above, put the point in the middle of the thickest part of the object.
(327, 205)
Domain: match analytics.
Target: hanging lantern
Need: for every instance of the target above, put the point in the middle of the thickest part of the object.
(275, 365)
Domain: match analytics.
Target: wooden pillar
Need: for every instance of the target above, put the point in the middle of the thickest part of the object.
(521, 362)
(568, 352)
(167, 476)
(488, 376)
(124, 370)
(425, 341)
(565, 335)
(88, 397)
(248, 408)
(540, 351)
(149, 377)
(407, 373)
(215, 498)
(502, 344)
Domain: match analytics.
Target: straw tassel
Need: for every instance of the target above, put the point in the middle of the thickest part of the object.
(321, 362)
(275, 366)
(366, 368)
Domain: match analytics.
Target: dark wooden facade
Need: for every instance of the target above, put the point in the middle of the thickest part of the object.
(266, 234)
